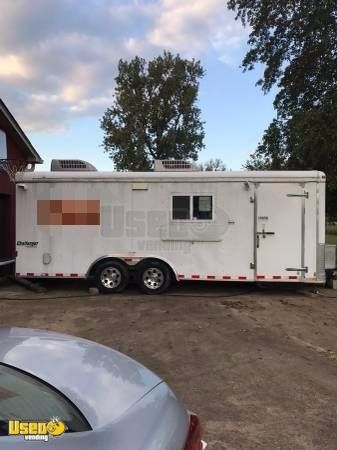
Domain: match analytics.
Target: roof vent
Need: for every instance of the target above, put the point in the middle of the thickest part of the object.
(71, 165)
(174, 165)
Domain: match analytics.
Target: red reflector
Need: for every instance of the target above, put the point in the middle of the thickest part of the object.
(74, 275)
(194, 438)
(292, 277)
(59, 274)
(210, 277)
(226, 277)
(180, 275)
(276, 277)
(195, 277)
(242, 278)
(260, 277)
(30, 274)
(17, 274)
(128, 259)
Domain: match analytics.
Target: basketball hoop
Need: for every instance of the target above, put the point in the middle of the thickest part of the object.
(12, 167)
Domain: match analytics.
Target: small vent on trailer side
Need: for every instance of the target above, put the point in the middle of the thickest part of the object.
(71, 165)
(174, 165)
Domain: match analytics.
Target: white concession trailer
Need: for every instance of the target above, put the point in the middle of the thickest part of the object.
(161, 225)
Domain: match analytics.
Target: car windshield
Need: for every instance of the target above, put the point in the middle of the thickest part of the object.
(24, 397)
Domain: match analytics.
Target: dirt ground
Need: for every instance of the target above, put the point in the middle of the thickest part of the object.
(258, 365)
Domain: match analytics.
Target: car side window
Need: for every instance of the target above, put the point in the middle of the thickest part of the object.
(24, 397)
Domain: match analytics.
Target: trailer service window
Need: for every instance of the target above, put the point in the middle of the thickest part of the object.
(181, 207)
(192, 207)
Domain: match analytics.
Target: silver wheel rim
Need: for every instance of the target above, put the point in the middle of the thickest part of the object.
(111, 277)
(153, 278)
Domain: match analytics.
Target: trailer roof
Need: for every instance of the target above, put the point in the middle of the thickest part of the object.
(268, 176)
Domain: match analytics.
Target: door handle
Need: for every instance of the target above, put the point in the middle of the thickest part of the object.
(289, 269)
(257, 240)
(265, 233)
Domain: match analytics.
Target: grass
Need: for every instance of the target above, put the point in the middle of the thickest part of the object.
(331, 233)
(331, 239)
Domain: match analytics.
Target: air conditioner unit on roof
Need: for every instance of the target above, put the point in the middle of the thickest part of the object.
(174, 165)
(71, 165)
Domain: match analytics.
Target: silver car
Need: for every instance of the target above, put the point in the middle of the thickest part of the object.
(76, 395)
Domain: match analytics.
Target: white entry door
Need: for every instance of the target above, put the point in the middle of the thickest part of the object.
(279, 228)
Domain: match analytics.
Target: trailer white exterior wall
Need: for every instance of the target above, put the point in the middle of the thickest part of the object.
(235, 226)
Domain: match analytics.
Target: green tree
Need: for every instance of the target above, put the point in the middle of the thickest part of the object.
(296, 41)
(154, 114)
(273, 156)
(213, 165)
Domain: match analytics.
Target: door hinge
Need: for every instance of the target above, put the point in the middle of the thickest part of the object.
(304, 195)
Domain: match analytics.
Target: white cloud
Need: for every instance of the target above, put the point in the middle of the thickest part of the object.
(193, 26)
(58, 58)
(13, 66)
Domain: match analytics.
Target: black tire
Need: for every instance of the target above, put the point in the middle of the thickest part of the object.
(154, 277)
(112, 277)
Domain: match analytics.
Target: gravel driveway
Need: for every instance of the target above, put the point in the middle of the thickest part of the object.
(258, 365)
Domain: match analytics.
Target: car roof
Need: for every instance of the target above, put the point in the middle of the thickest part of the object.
(101, 382)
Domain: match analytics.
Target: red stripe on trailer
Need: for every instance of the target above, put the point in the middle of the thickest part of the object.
(226, 277)
(59, 275)
(74, 275)
(210, 277)
(195, 277)
(30, 274)
(180, 275)
(292, 277)
(242, 278)
(276, 277)
(260, 277)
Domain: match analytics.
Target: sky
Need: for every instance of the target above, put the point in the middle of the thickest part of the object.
(58, 61)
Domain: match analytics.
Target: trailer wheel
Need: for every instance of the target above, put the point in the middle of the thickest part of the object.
(154, 277)
(112, 277)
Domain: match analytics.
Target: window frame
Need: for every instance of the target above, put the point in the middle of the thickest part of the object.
(191, 196)
(54, 390)
(3, 139)
(172, 200)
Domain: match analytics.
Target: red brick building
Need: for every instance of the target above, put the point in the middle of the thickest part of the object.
(14, 145)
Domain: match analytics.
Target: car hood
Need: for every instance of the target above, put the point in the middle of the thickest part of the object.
(101, 382)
